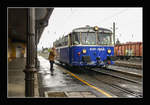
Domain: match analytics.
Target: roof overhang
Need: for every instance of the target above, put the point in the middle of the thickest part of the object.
(17, 22)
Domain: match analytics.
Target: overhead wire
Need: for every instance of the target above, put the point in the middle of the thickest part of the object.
(68, 19)
(112, 16)
(109, 17)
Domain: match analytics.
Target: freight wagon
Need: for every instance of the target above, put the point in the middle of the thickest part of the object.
(128, 50)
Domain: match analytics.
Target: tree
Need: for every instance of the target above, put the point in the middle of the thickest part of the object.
(117, 42)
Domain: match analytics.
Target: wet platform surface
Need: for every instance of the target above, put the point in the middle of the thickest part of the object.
(62, 82)
(16, 83)
(16, 79)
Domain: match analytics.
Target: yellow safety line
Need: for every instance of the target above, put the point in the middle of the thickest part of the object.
(101, 91)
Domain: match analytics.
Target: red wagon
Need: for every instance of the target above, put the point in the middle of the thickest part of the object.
(132, 49)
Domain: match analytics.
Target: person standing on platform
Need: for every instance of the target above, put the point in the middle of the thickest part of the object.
(51, 58)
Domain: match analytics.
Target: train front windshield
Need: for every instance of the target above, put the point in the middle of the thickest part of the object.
(88, 38)
(103, 39)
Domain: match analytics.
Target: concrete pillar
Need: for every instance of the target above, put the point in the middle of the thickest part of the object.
(30, 62)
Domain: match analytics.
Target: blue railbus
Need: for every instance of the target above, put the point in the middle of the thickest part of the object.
(86, 47)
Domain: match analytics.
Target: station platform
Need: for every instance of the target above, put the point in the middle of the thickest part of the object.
(16, 79)
(16, 83)
(65, 84)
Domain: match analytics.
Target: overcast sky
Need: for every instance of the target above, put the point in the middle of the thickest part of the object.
(63, 20)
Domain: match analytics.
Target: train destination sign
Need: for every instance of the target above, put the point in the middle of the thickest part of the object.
(99, 49)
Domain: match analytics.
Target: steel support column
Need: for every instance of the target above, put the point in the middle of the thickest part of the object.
(36, 37)
(114, 28)
(30, 62)
(36, 43)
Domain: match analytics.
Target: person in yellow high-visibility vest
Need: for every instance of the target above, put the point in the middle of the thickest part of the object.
(51, 58)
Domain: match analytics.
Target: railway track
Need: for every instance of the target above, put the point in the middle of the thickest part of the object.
(129, 65)
(125, 90)
(120, 75)
(112, 74)
(116, 86)
(126, 70)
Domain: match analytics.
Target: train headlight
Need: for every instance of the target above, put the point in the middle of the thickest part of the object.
(109, 51)
(96, 28)
(84, 51)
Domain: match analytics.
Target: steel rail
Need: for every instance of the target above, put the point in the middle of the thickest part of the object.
(116, 76)
(124, 72)
(136, 94)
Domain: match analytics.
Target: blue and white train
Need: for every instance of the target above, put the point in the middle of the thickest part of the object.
(86, 47)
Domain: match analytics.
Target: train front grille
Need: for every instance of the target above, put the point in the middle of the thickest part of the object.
(86, 58)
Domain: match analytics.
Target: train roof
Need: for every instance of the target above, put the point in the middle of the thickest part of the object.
(91, 29)
(86, 29)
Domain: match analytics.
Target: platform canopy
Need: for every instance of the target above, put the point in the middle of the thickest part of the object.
(17, 22)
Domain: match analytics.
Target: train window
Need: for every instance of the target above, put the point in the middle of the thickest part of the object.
(66, 41)
(104, 39)
(61, 42)
(70, 39)
(76, 38)
(88, 38)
